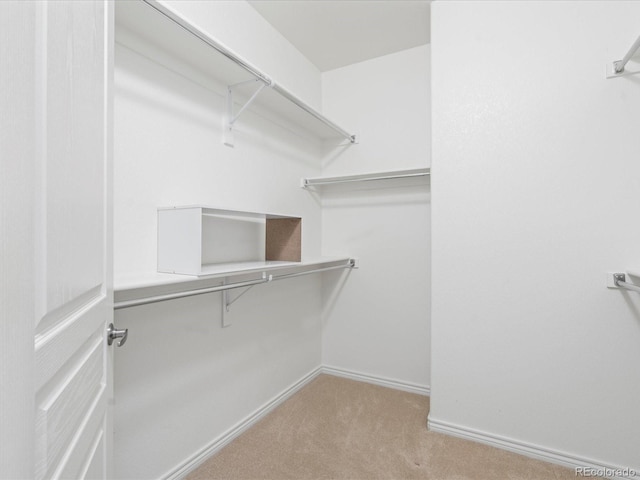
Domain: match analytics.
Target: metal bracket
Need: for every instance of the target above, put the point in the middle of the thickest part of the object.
(227, 301)
(620, 281)
(230, 118)
(613, 69)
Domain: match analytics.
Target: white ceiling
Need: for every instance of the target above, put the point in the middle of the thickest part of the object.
(335, 33)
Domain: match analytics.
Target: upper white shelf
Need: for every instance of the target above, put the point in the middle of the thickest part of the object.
(396, 175)
(167, 33)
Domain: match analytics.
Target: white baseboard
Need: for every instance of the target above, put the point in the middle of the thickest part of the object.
(196, 460)
(527, 449)
(227, 437)
(523, 448)
(382, 381)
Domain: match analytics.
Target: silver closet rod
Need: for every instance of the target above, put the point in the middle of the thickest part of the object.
(220, 288)
(249, 68)
(619, 279)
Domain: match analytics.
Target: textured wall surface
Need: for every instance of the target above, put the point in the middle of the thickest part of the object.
(535, 181)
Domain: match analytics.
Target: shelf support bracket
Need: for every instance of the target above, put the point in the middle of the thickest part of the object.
(230, 118)
(227, 301)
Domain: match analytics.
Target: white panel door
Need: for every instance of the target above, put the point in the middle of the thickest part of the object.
(73, 245)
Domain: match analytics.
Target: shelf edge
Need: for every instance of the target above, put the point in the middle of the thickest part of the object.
(153, 283)
(365, 177)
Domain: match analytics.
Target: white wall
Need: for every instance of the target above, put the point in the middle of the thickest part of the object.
(377, 322)
(535, 181)
(181, 381)
(386, 102)
(17, 234)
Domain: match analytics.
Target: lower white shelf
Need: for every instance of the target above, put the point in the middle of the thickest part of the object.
(243, 267)
(139, 288)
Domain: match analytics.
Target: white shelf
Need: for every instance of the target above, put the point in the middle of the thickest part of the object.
(216, 212)
(242, 267)
(156, 31)
(134, 286)
(410, 175)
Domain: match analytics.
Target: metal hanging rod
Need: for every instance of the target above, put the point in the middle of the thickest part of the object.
(178, 20)
(226, 302)
(188, 293)
(350, 264)
(618, 66)
(312, 182)
(219, 288)
(619, 280)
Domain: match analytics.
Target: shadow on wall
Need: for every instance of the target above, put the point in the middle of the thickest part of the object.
(334, 152)
(633, 307)
(370, 195)
(332, 285)
(160, 87)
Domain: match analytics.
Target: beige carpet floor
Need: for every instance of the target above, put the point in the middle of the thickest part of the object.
(340, 429)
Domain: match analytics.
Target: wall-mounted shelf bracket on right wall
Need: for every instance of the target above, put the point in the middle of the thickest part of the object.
(619, 280)
(618, 68)
(419, 173)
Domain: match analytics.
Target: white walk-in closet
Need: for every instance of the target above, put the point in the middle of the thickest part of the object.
(209, 206)
(191, 80)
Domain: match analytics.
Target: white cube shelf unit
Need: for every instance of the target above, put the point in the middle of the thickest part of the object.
(199, 240)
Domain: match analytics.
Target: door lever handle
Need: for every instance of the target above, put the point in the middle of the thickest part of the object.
(113, 333)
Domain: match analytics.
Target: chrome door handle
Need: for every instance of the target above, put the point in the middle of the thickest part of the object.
(113, 333)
